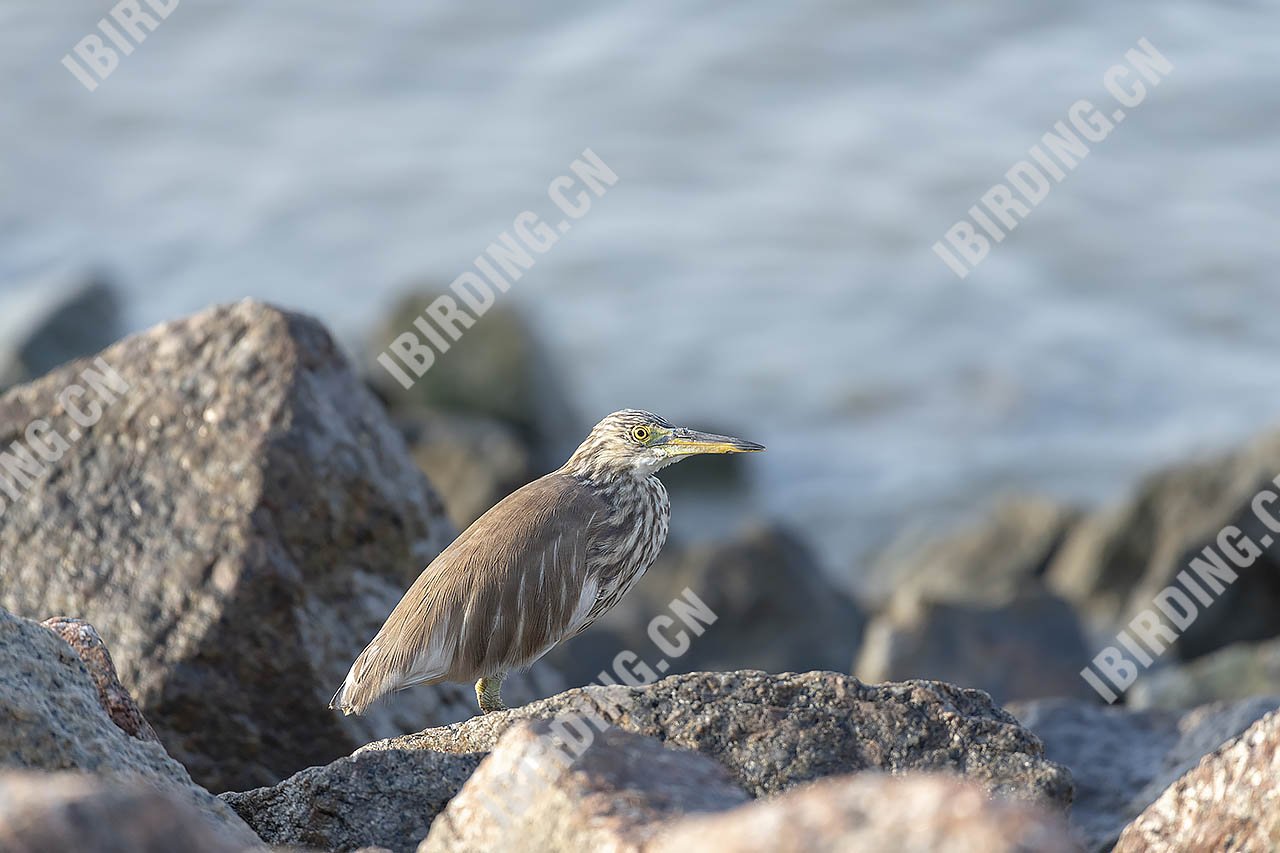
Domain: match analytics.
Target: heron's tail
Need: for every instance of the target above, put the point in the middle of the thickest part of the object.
(368, 681)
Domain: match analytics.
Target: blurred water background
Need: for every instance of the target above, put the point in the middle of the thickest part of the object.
(763, 264)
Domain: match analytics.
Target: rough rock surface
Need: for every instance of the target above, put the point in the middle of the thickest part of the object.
(545, 789)
(235, 595)
(50, 719)
(773, 732)
(1122, 760)
(115, 700)
(872, 813)
(1029, 647)
(775, 610)
(43, 812)
(987, 562)
(1237, 672)
(1230, 801)
(385, 799)
(1116, 560)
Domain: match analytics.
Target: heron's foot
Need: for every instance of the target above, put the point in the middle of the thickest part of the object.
(489, 693)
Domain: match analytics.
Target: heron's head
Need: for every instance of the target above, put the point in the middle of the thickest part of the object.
(636, 442)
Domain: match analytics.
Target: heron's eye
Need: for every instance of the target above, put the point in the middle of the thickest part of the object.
(640, 433)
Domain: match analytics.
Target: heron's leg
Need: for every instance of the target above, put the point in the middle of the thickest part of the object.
(489, 692)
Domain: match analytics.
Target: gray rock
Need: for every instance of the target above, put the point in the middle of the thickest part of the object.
(871, 813)
(988, 562)
(50, 720)
(386, 799)
(775, 610)
(1116, 560)
(1230, 674)
(237, 525)
(773, 732)
(42, 812)
(970, 608)
(1123, 759)
(535, 792)
(1230, 801)
(473, 462)
(49, 322)
(1201, 731)
(114, 699)
(1112, 754)
(1031, 646)
(497, 369)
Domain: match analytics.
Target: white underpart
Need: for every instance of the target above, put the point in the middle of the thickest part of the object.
(466, 620)
(586, 601)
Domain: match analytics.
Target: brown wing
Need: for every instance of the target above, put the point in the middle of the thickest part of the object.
(506, 590)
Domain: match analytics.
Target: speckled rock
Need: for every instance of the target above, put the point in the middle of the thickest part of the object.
(237, 525)
(115, 700)
(50, 719)
(1123, 759)
(385, 799)
(872, 813)
(1229, 802)
(538, 790)
(43, 812)
(773, 732)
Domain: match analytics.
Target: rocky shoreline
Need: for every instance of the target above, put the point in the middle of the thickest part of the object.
(208, 555)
